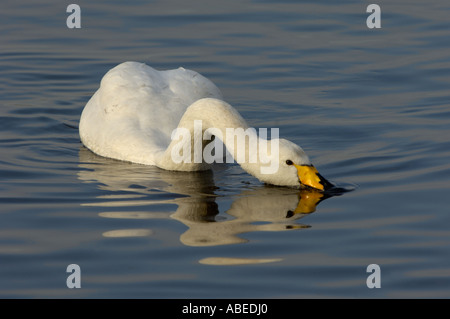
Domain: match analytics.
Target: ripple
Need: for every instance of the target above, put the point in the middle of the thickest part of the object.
(134, 215)
(229, 261)
(120, 233)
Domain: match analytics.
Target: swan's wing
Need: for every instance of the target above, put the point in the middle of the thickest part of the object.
(160, 98)
(133, 113)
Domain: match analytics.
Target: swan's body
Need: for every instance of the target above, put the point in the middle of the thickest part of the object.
(133, 114)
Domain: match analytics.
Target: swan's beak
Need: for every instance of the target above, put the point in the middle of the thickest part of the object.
(309, 176)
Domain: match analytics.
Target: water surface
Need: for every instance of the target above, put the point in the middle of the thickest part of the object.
(370, 107)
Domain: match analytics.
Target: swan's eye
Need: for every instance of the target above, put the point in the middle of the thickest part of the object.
(289, 162)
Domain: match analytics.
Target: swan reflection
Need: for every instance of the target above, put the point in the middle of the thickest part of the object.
(261, 208)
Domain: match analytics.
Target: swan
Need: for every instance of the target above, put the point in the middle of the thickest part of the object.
(136, 110)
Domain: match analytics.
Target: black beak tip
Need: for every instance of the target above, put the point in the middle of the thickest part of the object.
(325, 183)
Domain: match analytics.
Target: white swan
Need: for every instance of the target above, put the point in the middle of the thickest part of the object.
(132, 115)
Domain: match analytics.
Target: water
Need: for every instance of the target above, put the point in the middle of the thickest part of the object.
(370, 107)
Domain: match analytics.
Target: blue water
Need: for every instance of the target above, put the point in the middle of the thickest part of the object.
(371, 107)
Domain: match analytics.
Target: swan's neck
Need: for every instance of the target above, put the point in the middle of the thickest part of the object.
(188, 150)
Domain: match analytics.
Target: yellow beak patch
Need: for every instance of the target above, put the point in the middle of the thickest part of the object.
(309, 176)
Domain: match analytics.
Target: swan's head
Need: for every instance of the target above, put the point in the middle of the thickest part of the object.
(293, 168)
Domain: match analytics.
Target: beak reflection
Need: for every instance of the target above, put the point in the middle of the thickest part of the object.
(309, 176)
(308, 202)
